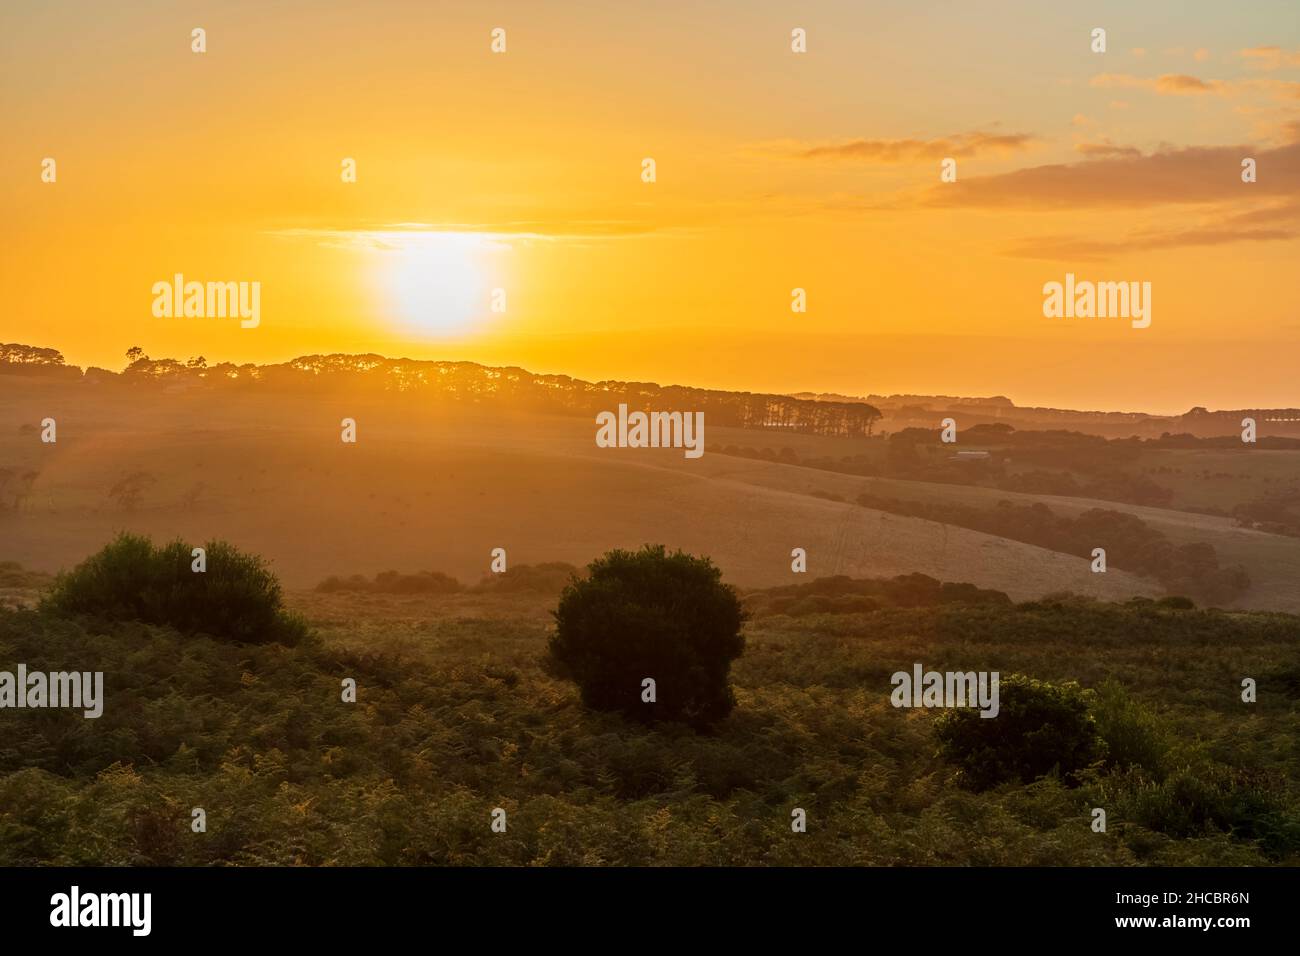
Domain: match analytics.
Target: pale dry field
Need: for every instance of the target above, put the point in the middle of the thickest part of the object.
(1273, 561)
(437, 488)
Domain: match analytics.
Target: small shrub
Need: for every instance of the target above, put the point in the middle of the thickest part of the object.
(334, 584)
(1133, 736)
(1040, 727)
(1246, 804)
(237, 598)
(955, 593)
(549, 577)
(1287, 677)
(651, 614)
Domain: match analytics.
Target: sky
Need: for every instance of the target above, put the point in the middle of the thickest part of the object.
(522, 171)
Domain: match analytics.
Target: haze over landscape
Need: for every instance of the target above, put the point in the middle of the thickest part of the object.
(324, 324)
(775, 171)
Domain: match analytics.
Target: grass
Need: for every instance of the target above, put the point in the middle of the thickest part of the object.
(456, 716)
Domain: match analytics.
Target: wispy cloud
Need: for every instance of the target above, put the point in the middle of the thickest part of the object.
(1167, 84)
(1270, 57)
(1273, 222)
(1070, 248)
(1106, 149)
(401, 235)
(957, 145)
(1198, 174)
(1183, 84)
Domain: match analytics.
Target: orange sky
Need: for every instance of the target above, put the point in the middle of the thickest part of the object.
(775, 170)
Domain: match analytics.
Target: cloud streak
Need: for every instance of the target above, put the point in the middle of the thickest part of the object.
(1183, 84)
(1275, 222)
(1106, 149)
(1270, 57)
(958, 146)
(1167, 84)
(1198, 174)
(397, 236)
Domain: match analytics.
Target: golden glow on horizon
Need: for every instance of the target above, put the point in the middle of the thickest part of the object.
(775, 171)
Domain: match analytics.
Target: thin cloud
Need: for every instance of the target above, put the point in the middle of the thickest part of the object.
(1198, 174)
(1270, 57)
(1180, 84)
(1183, 84)
(1121, 81)
(1093, 250)
(959, 145)
(1278, 222)
(1167, 84)
(395, 236)
(1106, 149)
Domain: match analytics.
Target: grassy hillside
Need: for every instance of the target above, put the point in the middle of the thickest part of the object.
(456, 716)
(441, 487)
(1271, 560)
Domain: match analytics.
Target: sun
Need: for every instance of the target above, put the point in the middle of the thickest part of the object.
(437, 282)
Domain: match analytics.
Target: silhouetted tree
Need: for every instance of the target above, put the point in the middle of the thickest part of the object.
(651, 615)
(128, 492)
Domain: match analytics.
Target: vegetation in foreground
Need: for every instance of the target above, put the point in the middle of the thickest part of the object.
(457, 714)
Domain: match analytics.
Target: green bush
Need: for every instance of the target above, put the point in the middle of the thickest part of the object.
(1246, 804)
(649, 614)
(1040, 727)
(334, 584)
(839, 594)
(237, 598)
(1133, 736)
(463, 719)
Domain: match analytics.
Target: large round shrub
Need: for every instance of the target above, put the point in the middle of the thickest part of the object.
(650, 614)
(1040, 727)
(237, 598)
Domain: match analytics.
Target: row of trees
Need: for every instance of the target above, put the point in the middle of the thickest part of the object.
(30, 360)
(1190, 569)
(478, 384)
(517, 387)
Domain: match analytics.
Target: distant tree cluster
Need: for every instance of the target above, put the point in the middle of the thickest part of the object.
(547, 577)
(478, 384)
(839, 594)
(12, 353)
(234, 597)
(30, 360)
(474, 383)
(1130, 543)
(1275, 513)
